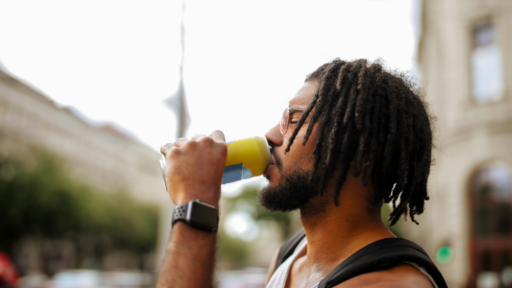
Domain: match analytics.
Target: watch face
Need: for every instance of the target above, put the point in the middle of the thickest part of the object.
(203, 215)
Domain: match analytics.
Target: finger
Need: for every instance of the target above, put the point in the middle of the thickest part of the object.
(166, 148)
(180, 142)
(197, 137)
(218, 136)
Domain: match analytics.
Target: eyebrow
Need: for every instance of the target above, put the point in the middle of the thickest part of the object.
(295, 109)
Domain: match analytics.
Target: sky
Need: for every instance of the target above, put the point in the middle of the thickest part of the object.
(117, 61)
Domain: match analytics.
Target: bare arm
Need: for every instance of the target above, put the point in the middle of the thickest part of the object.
(190, 258)
(194, 171)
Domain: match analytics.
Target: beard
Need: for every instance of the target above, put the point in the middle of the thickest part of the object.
(293, 192)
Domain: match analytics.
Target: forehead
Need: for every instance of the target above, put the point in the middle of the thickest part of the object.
(304, 95)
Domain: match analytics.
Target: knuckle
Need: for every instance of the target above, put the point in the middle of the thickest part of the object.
(166, 147)
(206, 140)
(175, 152)
(190, 144)
(218, 132)
(198, 136)
(179, 141)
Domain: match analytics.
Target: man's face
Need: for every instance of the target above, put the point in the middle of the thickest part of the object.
(288, 174)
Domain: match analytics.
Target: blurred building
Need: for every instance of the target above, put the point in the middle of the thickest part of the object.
(103, 155)
(465, 58)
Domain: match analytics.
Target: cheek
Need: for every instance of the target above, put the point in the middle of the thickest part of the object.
(299, 155)
(299, 138)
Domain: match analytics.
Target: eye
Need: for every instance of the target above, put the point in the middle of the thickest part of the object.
(294, 117)
(294, 120)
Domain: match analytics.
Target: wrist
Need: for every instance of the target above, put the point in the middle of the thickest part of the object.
(210, 197)
(198, 214)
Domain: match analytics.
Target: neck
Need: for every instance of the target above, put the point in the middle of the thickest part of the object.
(335, 233)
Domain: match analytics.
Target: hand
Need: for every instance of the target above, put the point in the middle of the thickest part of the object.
(195, 168)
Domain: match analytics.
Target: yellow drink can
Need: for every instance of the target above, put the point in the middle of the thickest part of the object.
(246, 158)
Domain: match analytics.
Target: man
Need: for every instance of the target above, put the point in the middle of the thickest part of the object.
(354, 137)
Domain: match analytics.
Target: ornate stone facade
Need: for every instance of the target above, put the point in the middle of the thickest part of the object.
(465, 58)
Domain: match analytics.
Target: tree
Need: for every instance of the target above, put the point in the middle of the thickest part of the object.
(44, 201)
(249, 196)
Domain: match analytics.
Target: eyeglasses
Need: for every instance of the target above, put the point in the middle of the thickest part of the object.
(283, 125)
(285, 118)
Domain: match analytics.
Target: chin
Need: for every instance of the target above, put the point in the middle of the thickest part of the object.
(288, 192)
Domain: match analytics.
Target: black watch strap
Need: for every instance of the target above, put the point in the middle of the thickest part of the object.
(197, 214)
(180, 213)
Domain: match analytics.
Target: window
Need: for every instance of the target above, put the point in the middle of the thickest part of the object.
(486, 65)
(491, 207)
(492, 201)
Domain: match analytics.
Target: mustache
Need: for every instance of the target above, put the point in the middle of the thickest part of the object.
(279, 163)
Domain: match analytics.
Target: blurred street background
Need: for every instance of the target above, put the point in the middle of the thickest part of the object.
(89, 91)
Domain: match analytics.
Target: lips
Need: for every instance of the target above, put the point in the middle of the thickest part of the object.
(270, 165)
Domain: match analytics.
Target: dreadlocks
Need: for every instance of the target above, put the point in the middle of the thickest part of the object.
(377, 120)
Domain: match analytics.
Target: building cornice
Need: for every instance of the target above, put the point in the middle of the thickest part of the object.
(463, 132)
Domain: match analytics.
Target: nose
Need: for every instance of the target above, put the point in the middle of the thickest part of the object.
(274, 136)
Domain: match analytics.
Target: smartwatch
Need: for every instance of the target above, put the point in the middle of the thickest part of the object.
(197, 214)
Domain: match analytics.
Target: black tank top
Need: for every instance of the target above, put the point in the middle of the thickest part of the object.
(372, 257)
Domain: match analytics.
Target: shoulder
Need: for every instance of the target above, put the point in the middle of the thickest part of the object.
(402, 275)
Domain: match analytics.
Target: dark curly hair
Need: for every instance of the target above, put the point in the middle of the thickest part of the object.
(378, 120)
